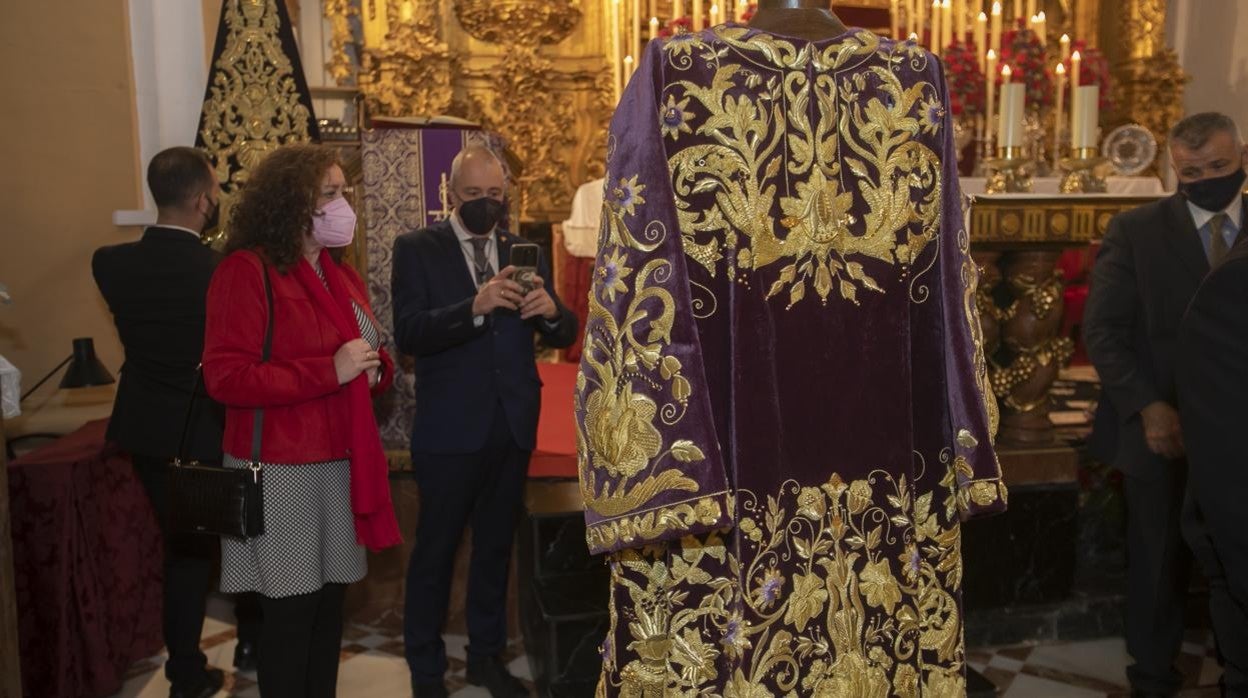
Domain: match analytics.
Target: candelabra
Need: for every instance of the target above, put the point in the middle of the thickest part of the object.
(1010, 172)
(1084, 172)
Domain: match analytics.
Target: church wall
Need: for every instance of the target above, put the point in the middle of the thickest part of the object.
(1209, 36)
(70, 158)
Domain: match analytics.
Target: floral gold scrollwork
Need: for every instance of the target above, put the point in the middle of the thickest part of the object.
(834, 589)
(618, 433)
(254, 103)
(864, 148)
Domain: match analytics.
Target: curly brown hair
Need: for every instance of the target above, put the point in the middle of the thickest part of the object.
(275, 210)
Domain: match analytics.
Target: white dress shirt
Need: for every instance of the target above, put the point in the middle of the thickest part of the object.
(465, 244)
(176, 227)
(1234, 212)
(470, 251)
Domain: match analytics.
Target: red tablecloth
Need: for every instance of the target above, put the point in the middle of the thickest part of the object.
(556, 426)
(86, 550)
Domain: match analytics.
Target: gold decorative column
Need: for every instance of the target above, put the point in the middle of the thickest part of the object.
(1148, 81)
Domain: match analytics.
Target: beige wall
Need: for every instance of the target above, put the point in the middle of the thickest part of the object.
(1211, 38)
(69, 158)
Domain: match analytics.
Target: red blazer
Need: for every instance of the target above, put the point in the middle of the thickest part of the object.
(304, 406)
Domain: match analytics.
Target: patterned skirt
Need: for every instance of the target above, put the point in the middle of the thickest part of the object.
(309, 533)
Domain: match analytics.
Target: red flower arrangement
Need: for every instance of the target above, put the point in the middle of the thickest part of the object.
(966, 82)
(1022, 51)
(1093, 70)
(680, 24)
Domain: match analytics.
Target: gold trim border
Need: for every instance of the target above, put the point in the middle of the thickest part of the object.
(1004, 219)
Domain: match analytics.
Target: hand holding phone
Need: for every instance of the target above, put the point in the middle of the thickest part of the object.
(524, 259)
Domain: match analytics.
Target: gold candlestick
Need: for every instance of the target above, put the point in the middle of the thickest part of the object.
(1009, 172)
(1084, 172)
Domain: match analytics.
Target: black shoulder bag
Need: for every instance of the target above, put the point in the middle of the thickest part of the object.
(221, 501)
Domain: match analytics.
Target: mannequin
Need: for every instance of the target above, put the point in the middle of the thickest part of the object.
(783, 240)
(804, 19)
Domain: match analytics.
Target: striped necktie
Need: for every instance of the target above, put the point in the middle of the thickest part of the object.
(480, 260)
(1217, 239)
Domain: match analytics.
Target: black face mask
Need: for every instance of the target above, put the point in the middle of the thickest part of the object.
(1215, 193)
(481, 215)
(213, 218)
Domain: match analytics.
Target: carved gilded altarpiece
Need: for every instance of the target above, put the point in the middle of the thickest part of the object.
(531, 70)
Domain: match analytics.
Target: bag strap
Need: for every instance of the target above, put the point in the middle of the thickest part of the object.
(257, 425)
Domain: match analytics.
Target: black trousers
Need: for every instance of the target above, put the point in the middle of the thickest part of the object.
(300, 642)
(188, 567)
(1216, 526)
(483, 490)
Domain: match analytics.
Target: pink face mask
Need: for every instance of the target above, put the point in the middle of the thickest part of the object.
(334, 225)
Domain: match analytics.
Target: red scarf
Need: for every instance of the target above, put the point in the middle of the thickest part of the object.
(375, 525)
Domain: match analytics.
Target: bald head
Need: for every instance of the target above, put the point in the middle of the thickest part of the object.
(477, 172)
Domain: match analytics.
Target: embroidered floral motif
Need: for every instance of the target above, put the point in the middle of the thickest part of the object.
(869, 608)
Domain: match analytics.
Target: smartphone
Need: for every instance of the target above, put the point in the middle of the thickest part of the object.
(524, 259)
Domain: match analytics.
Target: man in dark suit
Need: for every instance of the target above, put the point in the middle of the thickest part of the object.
(471, 329)
(156, 289)
(1151, 262)
(1213, 406)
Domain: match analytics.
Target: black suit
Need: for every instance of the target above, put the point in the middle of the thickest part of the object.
(477, 401)
(1213, 403)
(1149, 267)
(156, 290)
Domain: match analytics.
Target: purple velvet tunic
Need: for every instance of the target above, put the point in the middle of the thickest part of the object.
(783, 408)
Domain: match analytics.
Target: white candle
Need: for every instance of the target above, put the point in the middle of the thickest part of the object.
(1085, 113)
(990, 102)
(1007, 74)
(742, 6)
(678, 9)
(946, 24)
(959, 21)
(933, 39)
(994, 40)
(1042, 28)
(617, 68)
(714, 14)
(1031, 8)
(894, 19)
(981, 39)
(912, 24)
(1060, 79)
(634, 27)
(1013, 97)
(697, 16)
(654, 28)
(1075, 60)
(653, 9)
(1065, 41)
(920, 18)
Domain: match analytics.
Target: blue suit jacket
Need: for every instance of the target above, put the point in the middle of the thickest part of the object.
(463, 371)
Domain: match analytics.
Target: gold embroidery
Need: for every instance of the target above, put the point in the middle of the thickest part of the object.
(641, 528)
(728, 188)
(830, 590)
(970, 287)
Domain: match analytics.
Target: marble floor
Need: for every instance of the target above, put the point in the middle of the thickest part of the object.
(373, 665)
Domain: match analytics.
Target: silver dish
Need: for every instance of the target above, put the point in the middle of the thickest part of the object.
(1130, 148)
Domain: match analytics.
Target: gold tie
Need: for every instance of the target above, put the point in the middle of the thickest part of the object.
(1217, 241)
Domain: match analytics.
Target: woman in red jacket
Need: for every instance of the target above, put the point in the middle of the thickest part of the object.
(326, 493)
